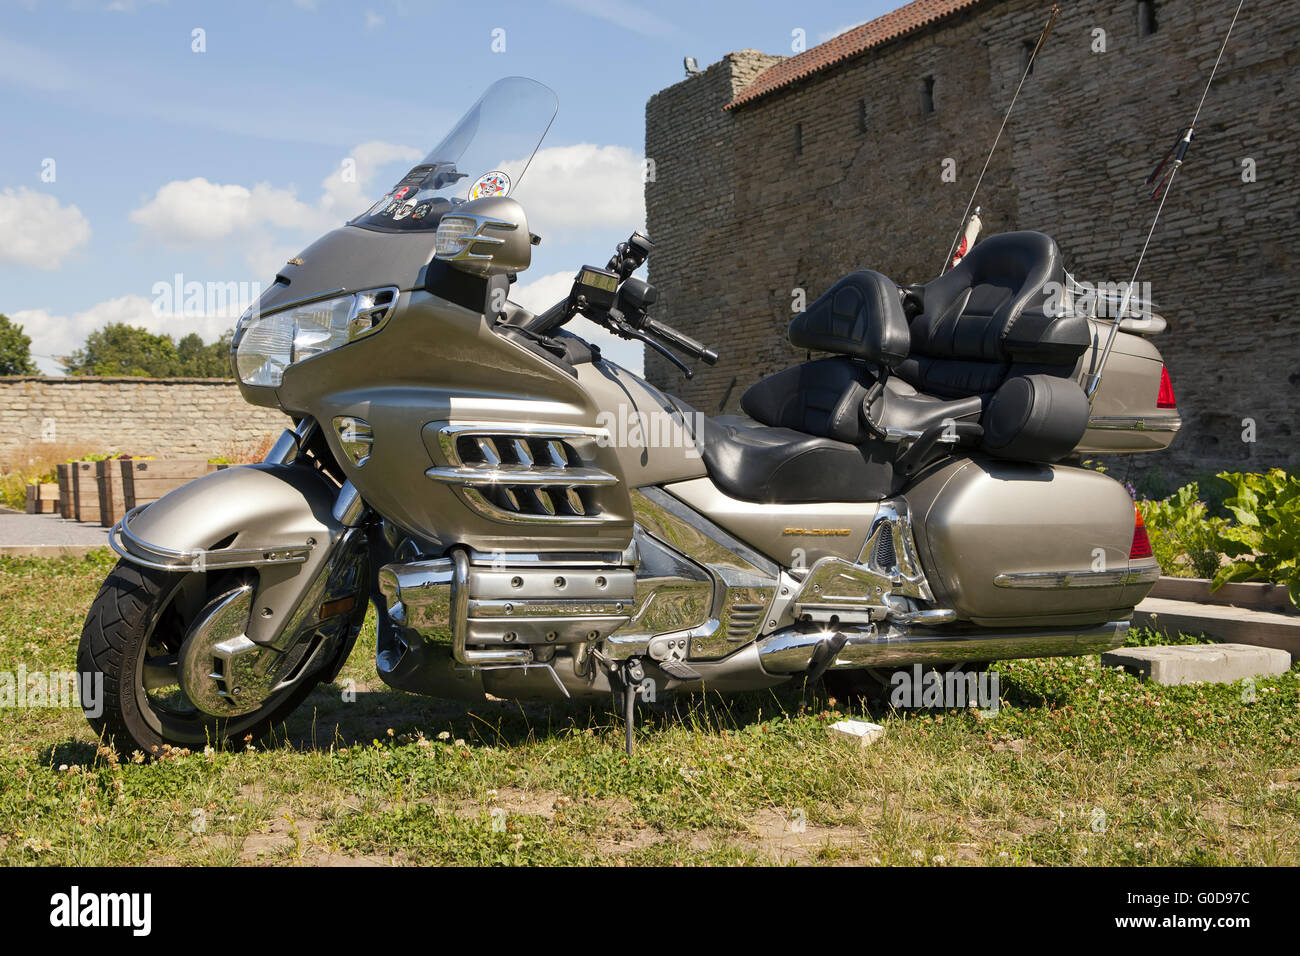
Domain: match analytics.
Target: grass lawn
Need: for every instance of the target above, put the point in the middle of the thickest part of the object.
(1080, 766)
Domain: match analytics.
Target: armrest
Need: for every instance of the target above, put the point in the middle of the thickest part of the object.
(921, 452)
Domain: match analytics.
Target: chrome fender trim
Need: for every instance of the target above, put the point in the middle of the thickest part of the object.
(138, 551)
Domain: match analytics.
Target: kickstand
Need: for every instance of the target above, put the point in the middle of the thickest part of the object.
(629, 713)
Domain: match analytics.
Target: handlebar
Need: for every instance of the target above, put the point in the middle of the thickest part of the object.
(680, 341)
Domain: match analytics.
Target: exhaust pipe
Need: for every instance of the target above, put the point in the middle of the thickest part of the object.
(795, 652)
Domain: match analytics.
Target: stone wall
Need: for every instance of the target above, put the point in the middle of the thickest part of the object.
(842, 171)
(175, 417)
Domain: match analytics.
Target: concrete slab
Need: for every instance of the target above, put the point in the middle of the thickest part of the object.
(1229, 624)
(861, 732)
(1176, 664)
(23, 535)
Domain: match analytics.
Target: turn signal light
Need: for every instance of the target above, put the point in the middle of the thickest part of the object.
(1141, 543)
(339, 606)
(1166, 397)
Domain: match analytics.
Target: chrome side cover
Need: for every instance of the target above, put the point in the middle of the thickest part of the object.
(744, 581)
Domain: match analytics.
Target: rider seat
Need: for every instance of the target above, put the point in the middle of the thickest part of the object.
(983, 351)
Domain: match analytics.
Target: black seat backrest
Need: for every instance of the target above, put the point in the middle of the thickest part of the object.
(984, 320)
(861, 316)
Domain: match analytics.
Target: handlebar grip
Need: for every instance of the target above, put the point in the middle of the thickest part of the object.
(681, 341)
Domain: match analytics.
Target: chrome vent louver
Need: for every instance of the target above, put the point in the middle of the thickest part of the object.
(884, 550)
(743, 620)
(521, 473)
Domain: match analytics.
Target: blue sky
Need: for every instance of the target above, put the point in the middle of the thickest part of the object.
(220, 164)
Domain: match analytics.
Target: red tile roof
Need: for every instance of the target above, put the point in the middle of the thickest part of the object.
(906, 19)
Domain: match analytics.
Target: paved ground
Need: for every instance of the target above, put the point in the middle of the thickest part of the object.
(48, 535)
(1234, 624)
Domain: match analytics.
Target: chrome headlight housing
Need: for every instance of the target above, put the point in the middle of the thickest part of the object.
(267, 344)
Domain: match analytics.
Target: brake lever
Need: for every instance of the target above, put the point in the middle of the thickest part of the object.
(622, 329)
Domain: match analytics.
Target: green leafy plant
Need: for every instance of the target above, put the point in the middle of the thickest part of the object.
(1184, 536)
(1264, 543)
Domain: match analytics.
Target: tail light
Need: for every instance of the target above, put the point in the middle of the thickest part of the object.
(1141, 543)
(1166, 397)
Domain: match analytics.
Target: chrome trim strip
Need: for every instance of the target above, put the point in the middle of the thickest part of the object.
(1061, 580)
(448, 434)
(1138, 423)
(530, 475)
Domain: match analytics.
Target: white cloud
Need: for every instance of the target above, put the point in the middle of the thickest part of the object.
(373, 20)
(348, 189)
(832, 34)
(54, 336)
(129, 6)
(36, 231)
(567, 191)
(583, 186)
(544, 291)
(629, 16)
(197, 211)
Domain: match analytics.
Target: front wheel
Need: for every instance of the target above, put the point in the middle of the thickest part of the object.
(132, 641)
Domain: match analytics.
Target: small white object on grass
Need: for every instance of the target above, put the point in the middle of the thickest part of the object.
(863, 732)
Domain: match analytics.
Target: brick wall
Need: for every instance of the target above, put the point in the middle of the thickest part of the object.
(175, 417)
(742, 218)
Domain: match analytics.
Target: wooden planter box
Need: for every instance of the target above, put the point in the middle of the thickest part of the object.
(43, 499)
(65, 490)
(85, 491)
(1254, 595)
(148, 480)
(108, 484)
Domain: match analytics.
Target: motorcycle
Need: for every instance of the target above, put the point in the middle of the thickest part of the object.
(530, 520)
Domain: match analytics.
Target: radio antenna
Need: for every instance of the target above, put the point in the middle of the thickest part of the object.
(1163, 177)
(1029, 66)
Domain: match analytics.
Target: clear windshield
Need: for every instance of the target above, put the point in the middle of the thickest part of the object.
(485, 154)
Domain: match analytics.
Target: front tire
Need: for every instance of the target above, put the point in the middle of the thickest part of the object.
(131, 641)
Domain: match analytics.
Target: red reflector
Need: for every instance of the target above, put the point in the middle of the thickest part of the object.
(1166, 397)
(1141, 543)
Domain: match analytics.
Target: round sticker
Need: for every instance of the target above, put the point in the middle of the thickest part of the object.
(495, 183)
(404, 209)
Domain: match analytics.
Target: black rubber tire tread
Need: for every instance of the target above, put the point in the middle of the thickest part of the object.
(112, 639)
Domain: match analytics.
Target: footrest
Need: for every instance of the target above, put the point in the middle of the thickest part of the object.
(679, 670)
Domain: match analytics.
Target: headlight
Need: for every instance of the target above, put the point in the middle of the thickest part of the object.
(270, 343)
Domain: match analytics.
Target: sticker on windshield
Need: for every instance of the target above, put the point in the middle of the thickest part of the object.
(495, 183)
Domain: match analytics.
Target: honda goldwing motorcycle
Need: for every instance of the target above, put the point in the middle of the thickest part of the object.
(531, 520)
